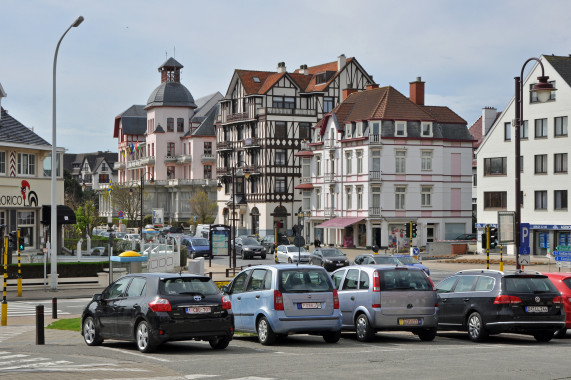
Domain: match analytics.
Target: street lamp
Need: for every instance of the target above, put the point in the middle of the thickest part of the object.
(53, 221)
(543, 90)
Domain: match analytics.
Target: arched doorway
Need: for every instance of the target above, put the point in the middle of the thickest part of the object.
(255, 214)
(280, 219)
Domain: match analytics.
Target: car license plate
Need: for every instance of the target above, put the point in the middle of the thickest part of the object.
(536, 309)
(198, 310)
(339, 264)
(410, 321)
(309, 305)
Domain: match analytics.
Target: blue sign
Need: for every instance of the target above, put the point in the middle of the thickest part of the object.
(565, 238)
(483, 225)
(524, 234)
(543, 240)
(415, 251)
(195, 218)
(550, 226)
(523, 250)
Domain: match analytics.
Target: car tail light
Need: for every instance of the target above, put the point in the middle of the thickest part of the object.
(376, 305)
(376, 282)
(335, 299)
(226, 304)
(160, 304)
(505, 299)
(558, 299)
(278, 300)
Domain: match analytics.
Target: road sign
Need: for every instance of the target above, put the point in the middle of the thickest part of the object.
(562, 255)
(524, 250)
(299, 241)
(414, 251)
(523, 259)
(120, 214)
(524, 234)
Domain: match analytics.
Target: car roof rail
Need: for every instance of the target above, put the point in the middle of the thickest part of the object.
(480, 271)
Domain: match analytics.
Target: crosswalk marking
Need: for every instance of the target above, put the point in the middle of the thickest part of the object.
(7, 332)
(24, 308)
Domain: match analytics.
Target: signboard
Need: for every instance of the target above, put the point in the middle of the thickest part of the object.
(523, 259)
(524, 234)
(565, 238)
(524, 250)
(299, 241)
(543, 240)
(220, 238)
(120, 214)
(550, 226)
(158, 216)
(506, 227)
(563, 253)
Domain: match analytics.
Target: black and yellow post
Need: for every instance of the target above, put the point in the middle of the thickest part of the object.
(275, 244)
(487, 246)
(501, 258)
(4, 313)
(19, 267)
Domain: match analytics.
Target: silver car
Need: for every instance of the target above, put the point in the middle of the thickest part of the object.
(380, 297)
(291, 254)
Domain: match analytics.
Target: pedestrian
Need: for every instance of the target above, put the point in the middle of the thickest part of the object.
(317, 243)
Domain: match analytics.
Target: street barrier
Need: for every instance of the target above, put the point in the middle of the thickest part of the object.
(40, 337)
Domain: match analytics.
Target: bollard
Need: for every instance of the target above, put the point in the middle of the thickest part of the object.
(40, 324)
(54, 308)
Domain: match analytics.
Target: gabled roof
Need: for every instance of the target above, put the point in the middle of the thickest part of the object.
(207, 127)
(205, 104)
(12, 131)
(94, 160)
(133, 121)
(562, 65)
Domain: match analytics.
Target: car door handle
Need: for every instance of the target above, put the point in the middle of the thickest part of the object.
(352, 298)
(443, 300)
(466, 299)
(239, 298)
(258, 297)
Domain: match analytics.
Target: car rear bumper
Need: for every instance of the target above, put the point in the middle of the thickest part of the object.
(299, 324)
(396, 322)
(334, 266)
(200, 329)
(524, 326)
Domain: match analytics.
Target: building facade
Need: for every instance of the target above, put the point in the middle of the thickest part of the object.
(168, 146)
(545, 148)
(93, 170)
(264, 118)
(382, 160)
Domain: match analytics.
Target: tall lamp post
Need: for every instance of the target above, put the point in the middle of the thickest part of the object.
(53, 221)
(543, 90)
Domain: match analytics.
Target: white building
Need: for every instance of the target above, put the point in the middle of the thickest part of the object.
(545, 149)
(381, 160)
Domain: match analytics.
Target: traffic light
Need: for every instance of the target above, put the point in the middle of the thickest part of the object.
(12, 241)
(485, 239)
(407, 229)
(493, 237)
(21, 243)
(413, 229)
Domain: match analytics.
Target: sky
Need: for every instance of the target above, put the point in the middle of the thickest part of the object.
(467, 52)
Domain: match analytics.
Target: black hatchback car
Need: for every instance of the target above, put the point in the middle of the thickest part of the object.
(152, 308)
(485, 302)
(329, 258)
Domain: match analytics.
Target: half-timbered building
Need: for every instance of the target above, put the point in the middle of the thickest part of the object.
(263, 120)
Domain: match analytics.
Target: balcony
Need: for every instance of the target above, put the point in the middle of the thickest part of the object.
(184, 159)
(169, 158)
(305, 180)
(133, 164)
(252, 142)
(329, 212)
(329, 178)
(374, 211)
(375, 176)
(222, 171)
(286, 111)
(374, 139)
(208, 158)
(223, 145)
(329, 144)
(148, 160)
(191, 182)
(119, 165)
(252, 169)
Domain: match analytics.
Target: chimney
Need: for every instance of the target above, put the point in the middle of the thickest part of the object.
(281, 67)
(370, 86)
(303, 70)
(417, 92)
(488, 117)
(341, 61)
(346, 92)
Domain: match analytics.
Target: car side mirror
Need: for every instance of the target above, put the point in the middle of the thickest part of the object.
(224, 289)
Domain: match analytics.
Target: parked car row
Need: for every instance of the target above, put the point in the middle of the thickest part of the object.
(274, 301)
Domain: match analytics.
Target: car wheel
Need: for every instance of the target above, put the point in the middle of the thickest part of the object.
(219, 343)
(427, 335)
(289, 260)
(332, 336)
(266, 335)
(364, 331)
(90, 333)
(543, 336)
(242, 255)
(561, 333)
(476, 330)
(263, 257)
(144, 337)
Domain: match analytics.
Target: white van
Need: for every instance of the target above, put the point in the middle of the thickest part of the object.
(202, 230)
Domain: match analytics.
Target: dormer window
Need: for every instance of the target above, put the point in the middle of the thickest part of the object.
(256, 79)
(400, 128)
(359, 131)
(348, 128)
(426, 129)
(317, 136)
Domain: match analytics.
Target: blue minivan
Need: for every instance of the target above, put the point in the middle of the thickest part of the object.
(277, 300)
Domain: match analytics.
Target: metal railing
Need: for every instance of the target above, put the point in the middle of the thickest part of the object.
(329, 211)
(374, 139)
(375, 175)
(374, 211)
(286, 111)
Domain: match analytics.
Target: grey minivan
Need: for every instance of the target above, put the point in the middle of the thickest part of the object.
(382, 297)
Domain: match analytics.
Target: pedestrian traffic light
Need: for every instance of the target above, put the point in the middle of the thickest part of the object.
(21, 243)
(413, 229)
(12, 241)
(407, 229)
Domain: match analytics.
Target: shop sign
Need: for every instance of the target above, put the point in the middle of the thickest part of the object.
(27, 197)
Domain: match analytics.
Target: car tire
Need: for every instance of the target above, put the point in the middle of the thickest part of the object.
(363, 328)
(263, 257)
(332, 336)
(144, 337)
(427, 335)
(220, 342)
(289, 260)
(543, 336)
(560, 334)
(266, 335)
(90, 333)
(476, 330)
(242, 255)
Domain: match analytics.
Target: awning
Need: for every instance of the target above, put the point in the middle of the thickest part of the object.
(341, 222)
(304, 153)
(65, 215)
(304, 186)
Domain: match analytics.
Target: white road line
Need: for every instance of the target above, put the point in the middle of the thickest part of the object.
(36, 365)
(136, 354)
(185, 377)
(7, 332)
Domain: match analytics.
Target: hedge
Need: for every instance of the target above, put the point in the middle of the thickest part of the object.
(65, 270)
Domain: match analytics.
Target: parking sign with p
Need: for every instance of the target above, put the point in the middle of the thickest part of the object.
(524, 234)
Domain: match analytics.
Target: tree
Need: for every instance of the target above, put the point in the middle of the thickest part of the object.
(204, 208)
(87, 218)
(125, 198)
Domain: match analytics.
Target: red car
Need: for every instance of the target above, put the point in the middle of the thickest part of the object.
(562, 282)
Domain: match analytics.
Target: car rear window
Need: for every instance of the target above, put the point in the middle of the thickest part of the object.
(399, 279)
(304, 280)
(188, 285)
(520, 284)
(567, 282)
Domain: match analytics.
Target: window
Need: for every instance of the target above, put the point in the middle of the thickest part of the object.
(170, 149)
(351, 280)
(349, 161)
(103, 167)
(26, 224)
(507, 131)
(207, 148)
(318, 165)
(305, 131)
(306, 200)
(400, 128)
(327, 104)
(103, 178)
(348, 194)
(400, 193)
(561, 126)
(359, 161)
(474, 180)
(170, 124)
(533, 94)
(541, 164)
(254, 186)
(495, 199)
(280, 185)
(426, 196)
(560, 162)
(400, 161)
(2, 162)
(359, 130)
(523, 130)
(359, 197)
(541, 200)
(318, 199)
(348, 130)
(48, 165)
(208, 171)
(283, 102)
(170, 172)
(426, 160)
(376, 197)
(540, 128)
(364, 280)
(427, 129)
(27, 164)
(239, 185)
(280, 156)
(239, 283)
(521, 164)
(495, 166)
(180, 124)
(281, 129)
(560, 198)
